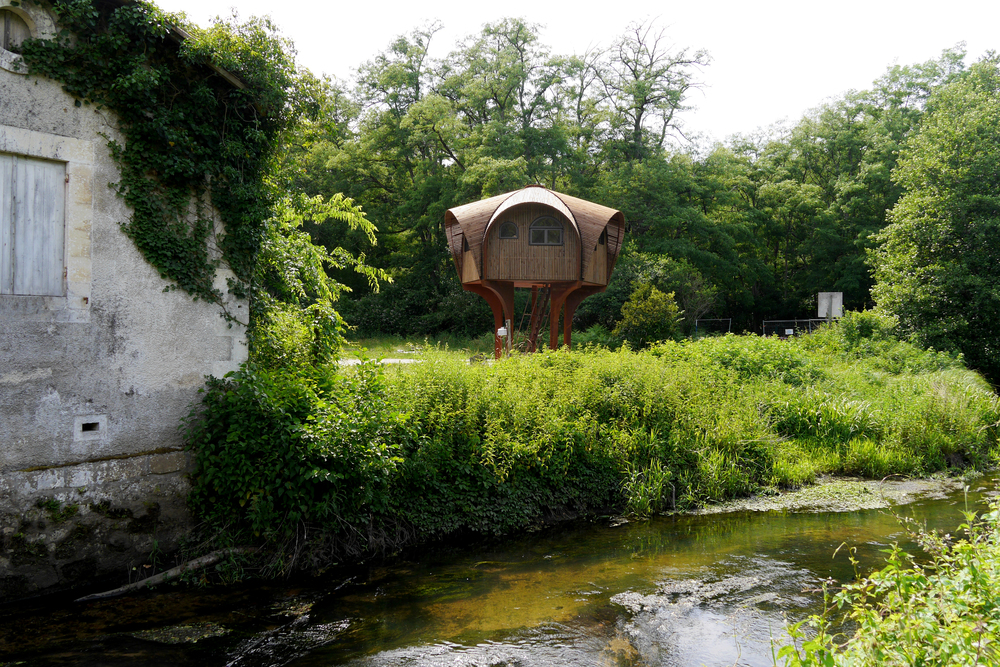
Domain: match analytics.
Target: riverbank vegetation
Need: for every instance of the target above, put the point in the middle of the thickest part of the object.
(873, 194)
(941, 612)
(889, 195)
(324, 462)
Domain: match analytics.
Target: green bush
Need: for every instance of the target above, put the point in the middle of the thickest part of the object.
(946, 612)
(753, 357)
(596, 336)
(867, 325)
(869, 339)
(276, 448)
(649, 316)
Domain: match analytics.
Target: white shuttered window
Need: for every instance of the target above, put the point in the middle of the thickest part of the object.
(32, 220)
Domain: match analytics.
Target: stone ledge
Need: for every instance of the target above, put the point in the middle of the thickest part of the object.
(70, 526)
(83, 481)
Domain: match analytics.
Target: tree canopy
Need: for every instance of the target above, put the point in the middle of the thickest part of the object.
(936, 267)
(886, 194)
(761, 222)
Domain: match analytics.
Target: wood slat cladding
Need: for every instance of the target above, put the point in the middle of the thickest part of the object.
(516, 259)
(593, 219)
(589, 219)
(597, 267)
(470, 272)
(470, 220)
(535, 195)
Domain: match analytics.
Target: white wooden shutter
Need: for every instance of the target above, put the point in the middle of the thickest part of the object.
(32, 226)
(6, 224)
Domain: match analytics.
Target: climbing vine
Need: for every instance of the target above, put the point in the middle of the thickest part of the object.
(199, 116)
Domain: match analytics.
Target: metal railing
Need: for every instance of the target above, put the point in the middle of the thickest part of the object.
(794, 327)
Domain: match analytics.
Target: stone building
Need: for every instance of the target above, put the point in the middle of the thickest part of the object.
(98, 364)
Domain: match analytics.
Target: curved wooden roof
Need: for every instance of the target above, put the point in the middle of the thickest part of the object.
(590, 220)
(533, 195)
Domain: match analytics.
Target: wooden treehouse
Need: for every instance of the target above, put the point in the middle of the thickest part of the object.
(561, 248)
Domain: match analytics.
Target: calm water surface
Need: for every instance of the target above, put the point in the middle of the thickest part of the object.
(696, 590)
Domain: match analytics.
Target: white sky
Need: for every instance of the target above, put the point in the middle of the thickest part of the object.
(772, 59)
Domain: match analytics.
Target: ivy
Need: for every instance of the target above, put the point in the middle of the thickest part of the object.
(200, 116)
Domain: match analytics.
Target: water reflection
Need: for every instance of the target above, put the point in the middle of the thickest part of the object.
(709, 590)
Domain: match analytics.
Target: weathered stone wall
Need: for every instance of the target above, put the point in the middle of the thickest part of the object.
(67, 526)
(94, 380)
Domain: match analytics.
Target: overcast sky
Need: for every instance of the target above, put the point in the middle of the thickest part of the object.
(771, 59)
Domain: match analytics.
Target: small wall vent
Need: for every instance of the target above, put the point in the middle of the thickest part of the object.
(90, 427)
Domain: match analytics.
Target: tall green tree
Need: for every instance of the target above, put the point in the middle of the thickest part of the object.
(814, 194)
(936, 266)
(848, 148)
(498, 112)
(645, 85)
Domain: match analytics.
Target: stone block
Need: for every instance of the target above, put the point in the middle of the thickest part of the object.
(45, 480)
(79, 476)
(164, 464)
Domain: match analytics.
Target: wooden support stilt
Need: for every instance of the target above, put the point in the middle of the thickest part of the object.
(504, 293)
(547, 302)
(496, 305)
(559, 295)
(572, 301)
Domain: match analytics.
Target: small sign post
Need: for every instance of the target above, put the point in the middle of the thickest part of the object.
(830, 305)
(504, 334)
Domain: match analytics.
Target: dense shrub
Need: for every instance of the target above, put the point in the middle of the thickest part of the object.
(373, 458)
(276, 448)
(942, 613)
(856, 328)
(649, 316)
(868, 338)
(750, 357)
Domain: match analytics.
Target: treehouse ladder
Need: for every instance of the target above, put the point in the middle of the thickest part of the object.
(536, 311)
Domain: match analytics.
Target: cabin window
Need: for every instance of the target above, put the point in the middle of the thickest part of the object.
(545, 231)
(32, 202)
(508, 230)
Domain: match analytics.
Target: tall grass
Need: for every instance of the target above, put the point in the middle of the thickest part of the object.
(725, 416)
(390, 347)
(491, 448)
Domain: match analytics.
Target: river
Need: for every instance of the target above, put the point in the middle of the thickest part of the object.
(685, 590)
